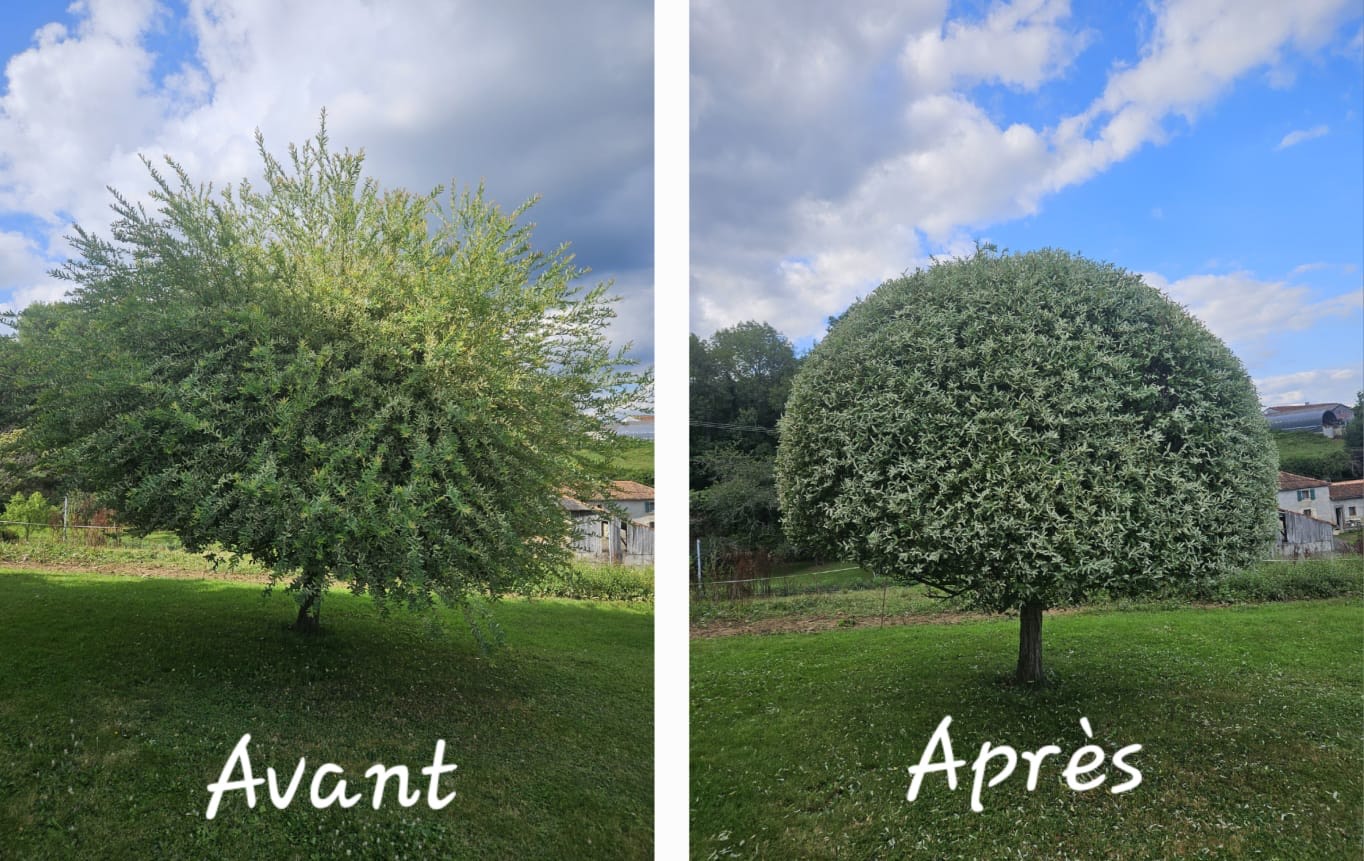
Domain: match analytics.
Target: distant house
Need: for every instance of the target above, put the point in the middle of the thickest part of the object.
(600, 536)
(636, 427)
(1329, 420)
(634, 498)
(1347, 500)
(1306, 496)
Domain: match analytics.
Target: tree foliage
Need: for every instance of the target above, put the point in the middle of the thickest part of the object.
(378, 387)
(1027, 431)
(740, 378)
(1354, 437)
(33, 510)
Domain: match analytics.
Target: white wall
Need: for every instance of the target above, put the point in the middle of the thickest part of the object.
(1320, 508)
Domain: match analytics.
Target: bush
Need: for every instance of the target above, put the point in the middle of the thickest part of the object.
(1276, 581)
(597, 583)
(30, 512)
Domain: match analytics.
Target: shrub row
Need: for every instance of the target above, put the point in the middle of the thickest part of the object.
(599, 583)
(1287, 581)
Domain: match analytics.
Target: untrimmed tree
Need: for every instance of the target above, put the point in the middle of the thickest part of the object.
(1027, 431)
(28, 512)
(382, 388)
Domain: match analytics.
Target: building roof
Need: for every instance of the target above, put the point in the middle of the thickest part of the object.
(1293, 481)
(1289, 408)
(1347, 489)
(573, 505)
(623, 491)
(1307, 418)
(638, 427)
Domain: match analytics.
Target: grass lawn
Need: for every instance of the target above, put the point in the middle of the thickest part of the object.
(1249, 716)
(858, 602)
(121, 698)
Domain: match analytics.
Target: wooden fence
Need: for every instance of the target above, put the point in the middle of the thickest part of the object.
(614, 542)
(1301, 536)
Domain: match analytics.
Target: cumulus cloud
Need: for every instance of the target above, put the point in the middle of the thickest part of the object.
(1020, 45)
(1294, 138)
(832, 154)
(1321, 385)
(539, 100)
(1243, 310)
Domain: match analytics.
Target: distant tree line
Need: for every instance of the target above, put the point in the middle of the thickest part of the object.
(740, 378)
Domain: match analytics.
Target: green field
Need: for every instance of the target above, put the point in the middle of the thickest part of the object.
(121, 698)
(1312, 454)
(1249, 719)
(634, 461)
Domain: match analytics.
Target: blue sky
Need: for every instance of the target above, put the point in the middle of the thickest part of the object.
(1217, 148)
(533, 99)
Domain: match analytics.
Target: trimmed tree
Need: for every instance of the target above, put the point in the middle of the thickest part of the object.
(381, 388)
(1027, 431)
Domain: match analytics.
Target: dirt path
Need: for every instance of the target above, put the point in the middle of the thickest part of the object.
(135, 570)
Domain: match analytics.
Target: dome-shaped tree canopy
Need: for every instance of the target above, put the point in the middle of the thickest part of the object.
(1027, 430)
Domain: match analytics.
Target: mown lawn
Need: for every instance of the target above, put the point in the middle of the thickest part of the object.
(1249, 716)
(121, 698)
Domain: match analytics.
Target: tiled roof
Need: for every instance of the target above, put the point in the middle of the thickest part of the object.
(1293, 481)
(571, 504)
(627, 490)
(1347, 489)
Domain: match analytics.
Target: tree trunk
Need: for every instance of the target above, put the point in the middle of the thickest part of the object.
(1030, 644)
(310, 607)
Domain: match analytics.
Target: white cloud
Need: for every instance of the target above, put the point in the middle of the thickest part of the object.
(1246, 312)
(1294, 138)
(1322, 385)
(1020, 44)
(547, 100)
(803, 162)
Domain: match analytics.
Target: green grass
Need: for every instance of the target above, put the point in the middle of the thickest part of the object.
(121, 698)
(1249, 718)
(635, 462)
(156, 550)
(1311, 454)
(859, 602)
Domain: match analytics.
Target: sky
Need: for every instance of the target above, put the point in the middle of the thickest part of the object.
(554, 100)
(1216, 147)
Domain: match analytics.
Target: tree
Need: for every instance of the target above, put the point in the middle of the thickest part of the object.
(30, 512)
(344, 383)
(740, 378)
(1026, 431)
(741, 500)
(1354, 436)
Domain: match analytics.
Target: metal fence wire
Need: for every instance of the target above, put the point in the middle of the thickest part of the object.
(721, 569)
